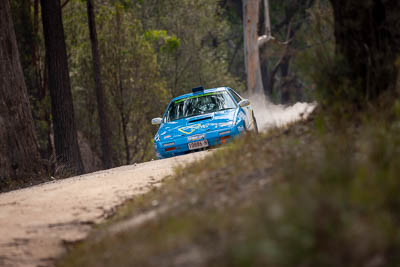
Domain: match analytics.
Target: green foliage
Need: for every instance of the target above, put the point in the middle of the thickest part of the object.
(189, 38)
(130, 74)
(168, 43)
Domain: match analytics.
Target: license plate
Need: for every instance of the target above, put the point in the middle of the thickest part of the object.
(198, 144)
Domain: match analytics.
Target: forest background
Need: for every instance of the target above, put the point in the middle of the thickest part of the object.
(151, 51)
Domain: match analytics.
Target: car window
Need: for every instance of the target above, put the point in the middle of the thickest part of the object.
(199, 104)
(235, 95)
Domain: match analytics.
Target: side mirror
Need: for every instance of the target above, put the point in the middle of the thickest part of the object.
(156, 121)
(244, 103)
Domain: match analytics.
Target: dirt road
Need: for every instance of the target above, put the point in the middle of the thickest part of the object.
(35, 222)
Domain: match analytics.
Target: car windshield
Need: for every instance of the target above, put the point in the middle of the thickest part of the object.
(198, 105)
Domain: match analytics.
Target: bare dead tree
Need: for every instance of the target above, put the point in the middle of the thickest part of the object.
(253, 42)
(256, 79)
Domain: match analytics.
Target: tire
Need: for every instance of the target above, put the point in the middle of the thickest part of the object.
(255, 124)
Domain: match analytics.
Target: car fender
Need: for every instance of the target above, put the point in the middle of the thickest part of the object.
(245, 118)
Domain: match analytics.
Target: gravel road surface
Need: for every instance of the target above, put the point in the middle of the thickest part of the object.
(36, 222)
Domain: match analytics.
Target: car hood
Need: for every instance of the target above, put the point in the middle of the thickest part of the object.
(197, 124)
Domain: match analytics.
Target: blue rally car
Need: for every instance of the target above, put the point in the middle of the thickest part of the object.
(202, 119)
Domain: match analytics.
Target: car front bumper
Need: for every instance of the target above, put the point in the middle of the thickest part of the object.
(179, 146)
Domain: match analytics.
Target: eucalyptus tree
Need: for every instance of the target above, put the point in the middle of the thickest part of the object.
(261, 70)
(19, 155)
(253, 42)
(65, 134)
(102, 107)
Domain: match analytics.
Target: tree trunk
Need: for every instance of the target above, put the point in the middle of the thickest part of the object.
(124, 124)
(268, 91)
(65, 136)
(101, 103)
(35, 49)
(251, 46)
(19, 155)
(368, 37)
(23, 27)
(286, 93)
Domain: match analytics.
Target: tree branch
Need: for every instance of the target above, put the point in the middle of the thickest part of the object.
(285, 52)
(65, 3)
(262, 40)
(267, 19)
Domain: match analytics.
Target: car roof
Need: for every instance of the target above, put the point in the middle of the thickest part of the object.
(219, 89)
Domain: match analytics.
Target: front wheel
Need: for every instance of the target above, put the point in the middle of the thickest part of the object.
(255, 124)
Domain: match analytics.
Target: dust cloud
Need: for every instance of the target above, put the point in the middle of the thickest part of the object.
(269, 115)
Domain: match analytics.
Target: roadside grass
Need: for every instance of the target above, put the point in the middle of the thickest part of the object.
(319, 193)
